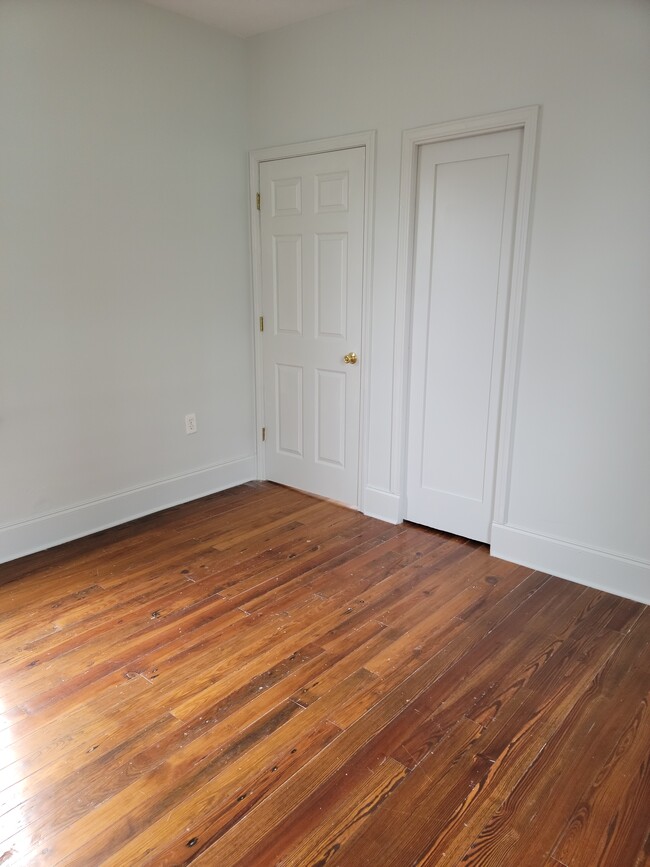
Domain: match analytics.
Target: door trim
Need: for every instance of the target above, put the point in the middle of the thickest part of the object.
(525, 119)
(366, 140)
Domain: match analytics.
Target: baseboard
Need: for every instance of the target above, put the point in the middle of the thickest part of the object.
(382, 504)
(17, 540)
(602, 570)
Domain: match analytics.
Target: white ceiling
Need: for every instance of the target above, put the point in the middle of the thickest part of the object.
(248, 17)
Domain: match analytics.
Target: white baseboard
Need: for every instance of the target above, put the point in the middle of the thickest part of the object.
(602, 570)
(382, 504)
(17, 540)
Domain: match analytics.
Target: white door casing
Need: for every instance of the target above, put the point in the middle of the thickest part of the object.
(312, 261)
(467, 190)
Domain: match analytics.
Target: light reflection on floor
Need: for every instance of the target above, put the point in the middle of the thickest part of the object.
(15, 837)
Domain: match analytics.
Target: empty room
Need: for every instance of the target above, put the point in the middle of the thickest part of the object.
(325, 433)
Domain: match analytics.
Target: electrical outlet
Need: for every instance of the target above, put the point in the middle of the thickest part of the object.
(190, 423)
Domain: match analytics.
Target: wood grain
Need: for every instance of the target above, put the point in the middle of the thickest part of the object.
(264, 678)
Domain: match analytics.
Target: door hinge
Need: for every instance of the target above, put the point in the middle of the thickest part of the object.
(263, 434)
(261, 323)
(258, 202)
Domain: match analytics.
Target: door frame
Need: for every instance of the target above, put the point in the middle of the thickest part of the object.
(525, 119)
(367, 140)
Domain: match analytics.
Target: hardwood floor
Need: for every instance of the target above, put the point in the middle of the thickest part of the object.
(262, 678)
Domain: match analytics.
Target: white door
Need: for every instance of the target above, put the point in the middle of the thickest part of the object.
(312, 217)
(466, 203)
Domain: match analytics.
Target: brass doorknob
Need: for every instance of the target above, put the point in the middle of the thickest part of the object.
(350, 358)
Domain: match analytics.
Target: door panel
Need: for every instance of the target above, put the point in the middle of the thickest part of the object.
(287, 290)
(288, 414)
(331, 284)
(312, 258)
(466, 200)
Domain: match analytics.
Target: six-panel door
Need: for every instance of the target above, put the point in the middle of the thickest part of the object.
(312, 217)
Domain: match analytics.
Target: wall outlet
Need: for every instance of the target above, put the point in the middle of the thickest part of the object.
(190, 423)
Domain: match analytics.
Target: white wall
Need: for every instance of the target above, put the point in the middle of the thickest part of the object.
(580, 501)
(124, 274)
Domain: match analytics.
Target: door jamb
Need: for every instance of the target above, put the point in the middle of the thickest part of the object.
(525, 119)
(366, 140)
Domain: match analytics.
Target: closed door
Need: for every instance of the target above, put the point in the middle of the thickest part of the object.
(312, 217)
(466, 203)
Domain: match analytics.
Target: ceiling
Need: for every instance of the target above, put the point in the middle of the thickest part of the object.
(248, 17)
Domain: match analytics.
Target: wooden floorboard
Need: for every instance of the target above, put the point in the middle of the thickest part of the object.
(264, 678)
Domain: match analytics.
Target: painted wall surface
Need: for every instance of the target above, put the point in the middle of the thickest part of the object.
(124, 263)
(581, 463)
